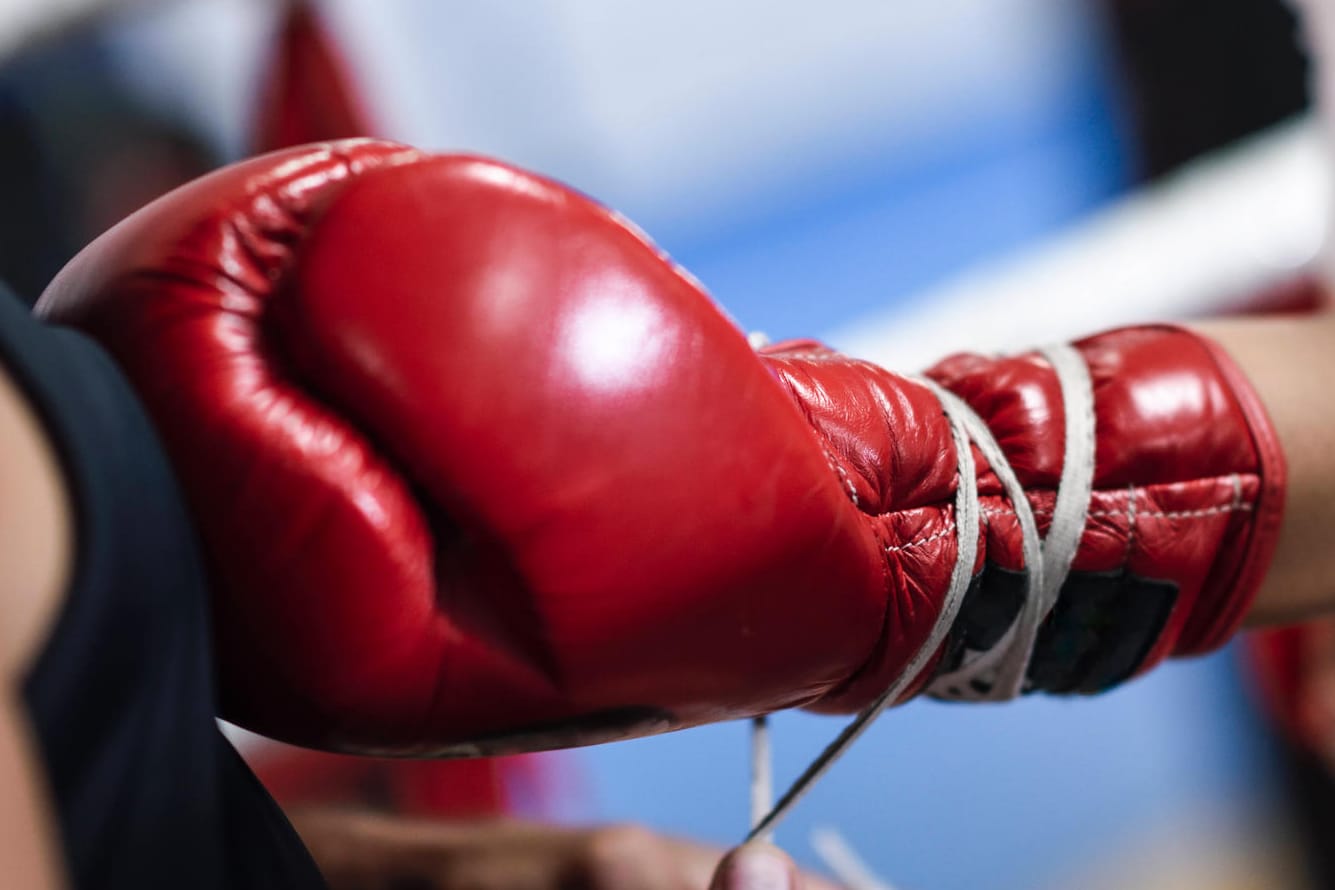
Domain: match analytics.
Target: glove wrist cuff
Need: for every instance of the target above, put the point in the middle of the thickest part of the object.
(1163, 566)
(1226, 599)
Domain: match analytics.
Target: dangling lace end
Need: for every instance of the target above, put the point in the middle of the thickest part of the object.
(762, 776)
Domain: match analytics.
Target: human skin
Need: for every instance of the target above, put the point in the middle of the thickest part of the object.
(1290, 361)
(35, 548)
(358, 850)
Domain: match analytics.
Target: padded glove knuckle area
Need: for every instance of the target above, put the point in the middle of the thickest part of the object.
(288, 496)
(888, 446)
(455, 436)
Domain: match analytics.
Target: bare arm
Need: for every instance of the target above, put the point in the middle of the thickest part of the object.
(35, 545)
(363, 849)
(1291, 362)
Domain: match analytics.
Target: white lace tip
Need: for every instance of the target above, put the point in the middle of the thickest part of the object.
(762, 773)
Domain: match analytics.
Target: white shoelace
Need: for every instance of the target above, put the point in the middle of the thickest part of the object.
(999, 673)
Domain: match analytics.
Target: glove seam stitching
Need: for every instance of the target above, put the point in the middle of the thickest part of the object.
(1233, 506)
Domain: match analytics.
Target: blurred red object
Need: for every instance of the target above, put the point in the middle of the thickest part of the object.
(1276, 661)
(1294, 673)
(1298, 295)
(307, 93)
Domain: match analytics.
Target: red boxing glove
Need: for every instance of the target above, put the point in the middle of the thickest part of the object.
(476, 467)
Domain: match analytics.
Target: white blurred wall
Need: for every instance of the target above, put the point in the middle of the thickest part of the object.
(680, 112)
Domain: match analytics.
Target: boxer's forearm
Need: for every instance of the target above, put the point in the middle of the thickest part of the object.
(1291, 363)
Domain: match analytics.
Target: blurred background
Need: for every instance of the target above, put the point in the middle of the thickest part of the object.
(903, 178)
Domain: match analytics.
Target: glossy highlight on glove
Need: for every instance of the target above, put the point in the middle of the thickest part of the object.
(477, 467)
